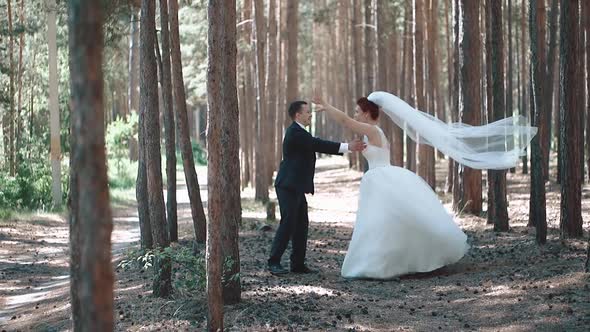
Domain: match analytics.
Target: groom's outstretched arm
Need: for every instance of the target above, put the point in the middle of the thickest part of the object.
(307, 142)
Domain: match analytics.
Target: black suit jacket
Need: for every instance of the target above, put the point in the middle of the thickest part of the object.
(298, 165)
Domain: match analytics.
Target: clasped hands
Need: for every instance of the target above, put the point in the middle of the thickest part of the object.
(356, 145)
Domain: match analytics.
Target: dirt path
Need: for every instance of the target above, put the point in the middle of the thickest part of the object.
(505, 283)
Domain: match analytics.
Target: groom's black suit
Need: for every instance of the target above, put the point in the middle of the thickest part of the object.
(293, 181)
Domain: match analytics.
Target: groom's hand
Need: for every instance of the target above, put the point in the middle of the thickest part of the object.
(357, 145)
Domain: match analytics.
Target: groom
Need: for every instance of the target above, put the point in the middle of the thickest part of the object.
(294, 180)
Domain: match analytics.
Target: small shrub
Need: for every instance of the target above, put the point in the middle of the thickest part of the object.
(122, 172)
(189, 273)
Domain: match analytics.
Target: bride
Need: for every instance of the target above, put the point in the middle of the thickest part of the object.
(401, 227)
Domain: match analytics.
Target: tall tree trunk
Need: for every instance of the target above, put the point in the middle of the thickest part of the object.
(91, 223)
(346, 67)
(571, 117)
(457, 94)
(53, 105)
(411, 92)
(489, 99)
(525, 111)
(223, 171)
(141, 193)
(397, 146)
(6, 120)
(498, 177)
(148, 83)
(188, 162)
(369, 47)
(548, 85)
(537, 212)
(539, 115)
(282, 95)
(32, 99)
(510, 73)
(383, 61)
(434, 108)
(261, 148)
(133, 88)
(18, 119)
(170, 135)
(246, 110)
(452, 111)
(291, 53)
(420, 96)
(357, 40)
(586, 7)
(271, 83)
(544, 123)
(232, 208)
(9, 119)
(141, 188)
(470, 179)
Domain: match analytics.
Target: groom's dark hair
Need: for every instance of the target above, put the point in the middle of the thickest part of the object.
(295, 107)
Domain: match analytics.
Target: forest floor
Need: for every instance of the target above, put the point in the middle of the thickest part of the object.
(505, 283)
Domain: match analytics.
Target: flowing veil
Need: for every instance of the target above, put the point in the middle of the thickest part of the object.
(497, 145)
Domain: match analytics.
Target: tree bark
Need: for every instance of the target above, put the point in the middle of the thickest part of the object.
(90, 214)
(456, 100)
(188, 162)
(9, 117)
(141, 189)
(411, 92)
(18, 119)
(525, 83)
(544, 123)
(586, 7)
(571, 118)
(230, 185)
(166, 85)
(489, 100)
(133, 88)
(369, 47)
(510, 73)
(282, 95)
(397, 148)
(434, 109)
(383, 62)
(537, 212)
(262, 138)
(420, 95)
(223, 166)
(357, 36)
(498, 177)
(53, 105)
(149, 107)
(246, 126)
(451, 59)
(291, 54)
(272, 86)
(470, 62)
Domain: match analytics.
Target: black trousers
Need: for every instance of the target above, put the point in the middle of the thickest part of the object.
(294, 226)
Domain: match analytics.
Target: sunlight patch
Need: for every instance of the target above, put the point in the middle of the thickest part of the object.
(300, 289)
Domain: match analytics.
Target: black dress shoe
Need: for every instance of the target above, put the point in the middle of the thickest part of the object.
(277, 269)
(302, 269)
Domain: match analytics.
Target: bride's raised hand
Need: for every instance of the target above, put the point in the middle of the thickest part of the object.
(319, 102)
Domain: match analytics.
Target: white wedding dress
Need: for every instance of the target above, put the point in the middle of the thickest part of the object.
(401, 226)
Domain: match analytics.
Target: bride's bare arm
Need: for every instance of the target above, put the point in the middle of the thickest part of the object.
(342, 118)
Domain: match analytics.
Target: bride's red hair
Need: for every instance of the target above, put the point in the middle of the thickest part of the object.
(368, 106)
